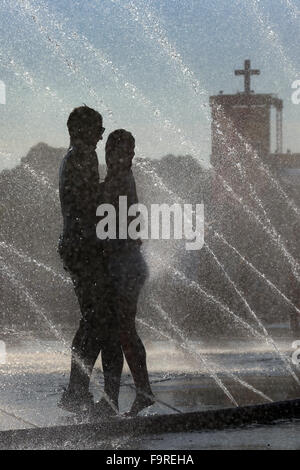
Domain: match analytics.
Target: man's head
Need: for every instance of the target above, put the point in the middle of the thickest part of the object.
(119, 150)
(85, 126)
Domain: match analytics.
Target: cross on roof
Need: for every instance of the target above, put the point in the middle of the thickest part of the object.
(247, 72)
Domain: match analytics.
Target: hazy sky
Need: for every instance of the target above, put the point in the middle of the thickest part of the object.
(148, 66)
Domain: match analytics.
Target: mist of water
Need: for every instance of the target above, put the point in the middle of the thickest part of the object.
(211, 367)
(270, 231)
(48, 27)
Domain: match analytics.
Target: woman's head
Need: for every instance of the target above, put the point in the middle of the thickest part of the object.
(119, 150)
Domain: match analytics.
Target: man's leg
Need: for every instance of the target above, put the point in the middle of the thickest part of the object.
(112, 363)
(86, 347)
(98, 331)
(85, 350)
(112, 354)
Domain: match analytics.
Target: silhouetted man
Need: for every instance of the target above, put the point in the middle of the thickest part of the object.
(81, 252)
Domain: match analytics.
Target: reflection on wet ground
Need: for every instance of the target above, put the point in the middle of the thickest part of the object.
(36, 372)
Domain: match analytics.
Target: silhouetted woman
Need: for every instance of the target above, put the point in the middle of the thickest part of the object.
(126, 265)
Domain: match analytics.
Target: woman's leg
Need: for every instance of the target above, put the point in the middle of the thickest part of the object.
(135, 355)
(128, 273)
